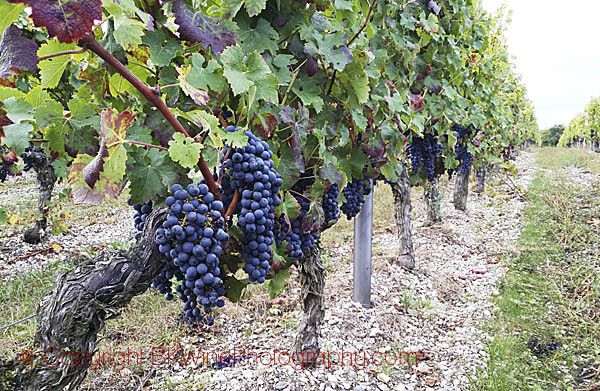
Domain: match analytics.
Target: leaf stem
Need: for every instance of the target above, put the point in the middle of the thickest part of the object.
(138, 143)
(236, 198)
(61, 54)
(364, 24)
(90, 43)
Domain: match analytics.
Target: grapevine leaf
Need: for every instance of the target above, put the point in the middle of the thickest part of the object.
(10, 13)
(265, 125)
(278, 283)
(206, 78)
(18, 110)
(48, 112)
(140, 134)
(200, 97)
(184, 150)
(97, 81)
(159, 128)
(82, 193)
(16, 53)
(60, 167)
(262, 37)
(234, 288)
(343, 5)
(68, 20)
(330, 173)
(312, 220)
(161, 49)
(254, 7)
(91, 172)
(16, 136)
(153, 172)
(242, 75)
(299, 121)
(197, 27)
(230, 8)
(291, 207)
(288, 166)
(128, 31)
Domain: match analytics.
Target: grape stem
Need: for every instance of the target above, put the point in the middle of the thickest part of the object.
(234, 201)
(88, 42)
(61, 54)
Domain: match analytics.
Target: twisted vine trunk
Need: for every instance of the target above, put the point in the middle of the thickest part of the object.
(595, 146)
(480, 178)
(402, 208)
(71, 316)
(433, 200)
(461, 189)
(312, 280)
(45, 179)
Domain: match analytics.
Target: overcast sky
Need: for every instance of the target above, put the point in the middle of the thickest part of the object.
(557, 50)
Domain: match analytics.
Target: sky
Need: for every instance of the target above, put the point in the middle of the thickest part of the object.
(556, 45)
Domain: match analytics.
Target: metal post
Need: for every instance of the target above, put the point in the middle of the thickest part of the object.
(363, 231)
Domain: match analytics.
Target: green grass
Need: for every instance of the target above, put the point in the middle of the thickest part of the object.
(552, 289)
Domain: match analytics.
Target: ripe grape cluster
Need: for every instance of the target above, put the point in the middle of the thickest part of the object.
(251, 173)
(29, 163)
(541, 349)
(424, 150)
(4, 161)
(225, 112)
(139, 217)
(297, 240)
(330, 203)
(464, 157)
(229, 361)
(355, 193)
(191, 237)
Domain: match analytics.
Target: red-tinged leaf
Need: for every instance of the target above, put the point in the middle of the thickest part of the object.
(200, 97)
(197, 27)
(299, 121)
(114, 125)
(97, 81)
(265, 125)
(4, 120)
(82, 193)
(312, 220)
(68, 20)
(16, 53)
(415, 103)
(91, 172)
(113, 129)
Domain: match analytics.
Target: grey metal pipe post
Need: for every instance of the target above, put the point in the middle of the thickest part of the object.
(363, 231)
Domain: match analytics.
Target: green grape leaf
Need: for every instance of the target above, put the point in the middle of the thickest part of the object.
(234, 288)
(128, 31)
(162, 49)
(291, 207)
(184, 150)
(16, 136)
(242, 75)
(200, 97)
(263, 37)
(10, 13)
(18, 110)
(278, 283)
(152, 173)
(206, 78)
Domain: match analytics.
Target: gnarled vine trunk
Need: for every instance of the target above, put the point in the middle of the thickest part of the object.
(402, 208)
(480, 178)
(595, 146)
(71, 316)
(433, 201)
(45, 179)
(312, 281)
(461, 189)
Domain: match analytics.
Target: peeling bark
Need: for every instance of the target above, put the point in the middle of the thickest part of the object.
(433, 200)
(480, 178)
(75, 311)
(402, 208)
(461, 189)
(45, 179)
(312, 280)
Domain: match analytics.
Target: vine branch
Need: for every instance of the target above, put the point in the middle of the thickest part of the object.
(364, 24)
(65, 53)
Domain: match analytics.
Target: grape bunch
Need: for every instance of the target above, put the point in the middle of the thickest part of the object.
(251, 173)
(424, 150)
(29, 163)
(225, 112)
(191, 237)
(541, 349)
(297, 240)
(355, 193)
(229, 361)
(330, 203)
(464, 157)
(7, 159)
(139, 217)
